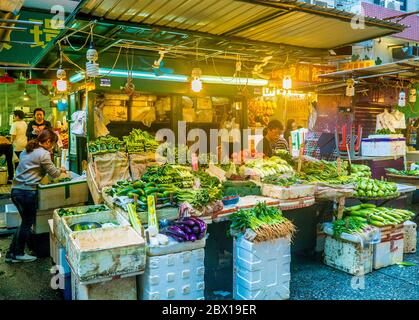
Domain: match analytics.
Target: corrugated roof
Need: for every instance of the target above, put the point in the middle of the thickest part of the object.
(286, 22)
(408, 68)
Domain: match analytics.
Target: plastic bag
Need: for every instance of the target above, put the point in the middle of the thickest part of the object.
(78, 124)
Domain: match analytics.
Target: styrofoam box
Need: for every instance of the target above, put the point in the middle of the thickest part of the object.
(99, 217)
(410, 237)
(383, 147)
(106, 252)
(52, 196)
(115, 289)
(53, 243)
(390, 249)
(348, 256)
(41, 222)
(285, 193)
(13, 218)
(175, 276)
(261, 270)
(58, 222)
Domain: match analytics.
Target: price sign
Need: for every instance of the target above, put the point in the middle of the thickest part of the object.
(152, 214)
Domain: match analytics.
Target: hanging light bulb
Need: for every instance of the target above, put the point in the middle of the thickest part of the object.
(61, 83)
(92, 68)
(25, 96)
(350, 88)
(402, 98)
(287, 83)
(412, 95)
(196, 83)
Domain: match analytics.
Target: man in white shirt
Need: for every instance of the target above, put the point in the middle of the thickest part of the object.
(18, 132)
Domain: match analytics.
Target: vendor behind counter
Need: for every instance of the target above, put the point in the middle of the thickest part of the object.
(273, 139)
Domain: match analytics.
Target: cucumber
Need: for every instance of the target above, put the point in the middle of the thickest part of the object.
(358, 214)
(377, 218)
(377, 223)
(149, 191)
(361, 219)
(150, 185)
(368, 206)
(124, 192)
(354, 208)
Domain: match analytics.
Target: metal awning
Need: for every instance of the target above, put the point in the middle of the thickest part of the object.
(408, 69)
(280, 22)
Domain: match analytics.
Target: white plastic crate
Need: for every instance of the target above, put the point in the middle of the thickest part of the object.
(410, 237)
(348, 256)
(115, 289)
(12, 216)
(175, 276)
(261, 270)
(383, 147)
(390, 249)
(52, 196)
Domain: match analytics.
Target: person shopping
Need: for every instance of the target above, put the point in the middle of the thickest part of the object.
(35, 163)
(18, 133)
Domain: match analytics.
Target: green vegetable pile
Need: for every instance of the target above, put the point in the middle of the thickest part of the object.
(375, 189)
(322, 171)
(240, 188)
(403, 172)
(360, 170)
(140, 141)
(59, 180)
(106, 144)
(206, 180)
(384, 131)
(271, 166)
(349, 225)
(281, 181)
(199, 198)
(77, 211)
(378, 216)
(267, 222)
(165, 193)
(285, 155)
(179, 176)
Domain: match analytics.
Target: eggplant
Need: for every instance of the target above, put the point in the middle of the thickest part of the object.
(192, 237)
(202, 225)
(178, 231)
(187, 230)
(196, 230)
(188, 221)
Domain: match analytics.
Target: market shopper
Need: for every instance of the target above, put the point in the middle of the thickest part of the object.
(6, 149)
(270, 138)
(18, 133)
(39, 123)
(35, 163)
(291, 126)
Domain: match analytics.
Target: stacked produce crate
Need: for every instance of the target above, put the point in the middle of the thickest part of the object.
(100, 246)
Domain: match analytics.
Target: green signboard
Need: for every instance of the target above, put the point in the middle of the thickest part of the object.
(35, 38)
